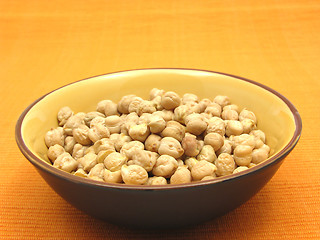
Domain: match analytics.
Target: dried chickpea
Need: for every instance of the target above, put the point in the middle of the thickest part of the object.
(243, 139)
(54, 136)
(182, 111)
(222, 100)
(203, 104)
(146, 107)
(175, 130)
(55, 151)
(225, 164)
(170, 146)
(190, 145)
(156, 124)
(226, 147)
(157, 103)
(103, 154)
(97, 171)
(195, 123)
(259, 155)
(165, 166)
(144, 118)
(128, 149)
(80, 135)
(97, 132)
(63, 115)
(144, 158)
(98, 121)
(110, 108)
(258, 134)
(123, 104)
(181, 175)
(229, 114)
(80, 173)
(112, 177)
(170, 100)
(155, 92)
(66, 162)
(152, 143)
(90, 116)
(247, 114)
(231, 107)
(248, 125)
(139, 132)
(240, 169)
(134, 175)
(242, 155)
(189, 97)
(201, 169)
(73, 122)
(88, 161)
(216, 125)
(114, 161)
(113, 123)
(78, 151)
(208, 178)
(207, 153)
(215, 140)
(69, 143)
(233, 127)
(214, 110)
(103, 145)
(156, 181)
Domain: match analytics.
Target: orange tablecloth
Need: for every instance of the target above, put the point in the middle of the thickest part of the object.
(46, 44)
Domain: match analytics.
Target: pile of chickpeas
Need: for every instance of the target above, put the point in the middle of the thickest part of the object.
(166, 139)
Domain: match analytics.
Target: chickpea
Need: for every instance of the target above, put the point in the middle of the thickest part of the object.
(229, 114)
(110, 108)
(97, 171)
(130, 120)
(207, 153)
(80, 135)
(203, 104)
(139, 132)
(134, 175)
(190, 162)
(155, 92)
(201, 169)
(233, 127)
(243, 139)
(69, 143)
(146, 107)
(114, 161)
(215, 140)
(144, 118)
(189, 97)
(247, 114)
(121, 140)
(258, 134)
(114, 123)
(123, 104)
(112, 177)
(226, 147)
(181, 175)
(55, 151)
(214, 110)
(134, 105)
(195, 124)
(97, 132)
(103, 154)
(240, 169)
(248, 125)
(225, 164)
(152, 143)
(222, 100)
(157, 103)
(156, 124)
(205, 178)
(182, 111)
(242, 155)
(259, 155)
(78, 151)
(170, 146)
(101, 106)
(216, 125)
(165, 166)
(170, 100)
(167, 115)
(90, 116)
(98, 121)
(231, 107)
(128, 149)
(54, 136)
(103, 145)
(80, 173)
(174, 129)
(144, 158)
(190, 145)
(63, 115)
(66, 162)
(73, 122)
(156, 181)
(88, 161)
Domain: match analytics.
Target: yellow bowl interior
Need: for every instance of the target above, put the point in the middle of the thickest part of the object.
(274, 116)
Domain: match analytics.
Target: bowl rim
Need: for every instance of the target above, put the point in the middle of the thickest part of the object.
(39, 163)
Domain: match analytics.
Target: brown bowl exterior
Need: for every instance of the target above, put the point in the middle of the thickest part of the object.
(158, 206)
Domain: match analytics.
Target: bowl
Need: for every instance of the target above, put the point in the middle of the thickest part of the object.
(169, 206)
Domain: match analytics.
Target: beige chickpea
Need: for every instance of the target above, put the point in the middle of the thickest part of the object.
(181, 175)
(110, 108)
(248, 125)
(101, 106)
(80, 173)
(112, 177)
(170, 100)
(156, 124)
(167, 115)
(103, 154)
(155, 92)
(123, 104)
(63, 115)
(144, 118)
(190, 162)
(201, 169)
(152, 143)
(121, 140)
(80, 135)
(233, 127)
(54, 136)
(182, 111)
(145, 106)
(170, 146)
(203, 104)
(229, 114)
(174, 129)
(65, 162)
(190, 145)
(157, 103)
(189, 97)
(214, 110)
(103, 145)
(97, 132)
(222, 100)
(134, 175)
(225, 164)
(216, 125)
(243, 139)
(113, 123)
(78, 151)
(55, 151)
(73, 122)
(139, 132)
(258, 134)
(215, 140)
(242, 155)
(226, 147)
(90, 116)
(144, 158)
(231, 107)
(97, 171)
(134, 105)
(89, 149)
(240, 169)
(114, 161)
(88, 161)
(69, 143)
(156, 181)
(130, 120)
(165, 166)
(128, 149)
(207, 153)
(247, 114)
(259, 155)
(98, 121)
(195, 124)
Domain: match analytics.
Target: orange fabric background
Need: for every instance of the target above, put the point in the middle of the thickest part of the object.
(46, 44)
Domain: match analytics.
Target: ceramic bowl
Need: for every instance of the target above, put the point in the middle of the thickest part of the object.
(168, 206)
